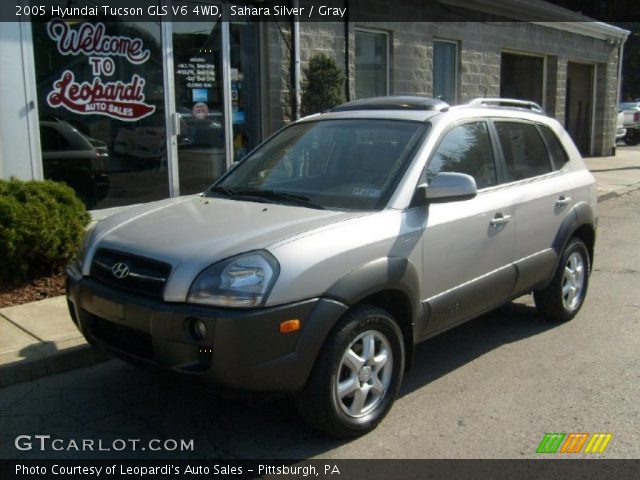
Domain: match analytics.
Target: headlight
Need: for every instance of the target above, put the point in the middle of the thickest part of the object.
(241, 281)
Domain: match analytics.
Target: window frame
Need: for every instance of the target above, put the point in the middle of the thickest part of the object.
(387, 44)
(456, 63)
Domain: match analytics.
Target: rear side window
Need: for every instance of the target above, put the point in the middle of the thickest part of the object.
(525, 154)
(558, 154)
(466, 149)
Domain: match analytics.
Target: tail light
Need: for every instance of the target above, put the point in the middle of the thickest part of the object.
(636, 117)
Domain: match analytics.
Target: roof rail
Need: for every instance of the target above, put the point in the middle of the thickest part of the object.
(403, 102)
(507, 103)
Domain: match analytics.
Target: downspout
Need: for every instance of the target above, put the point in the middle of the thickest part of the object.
(620, 58)
(347, 78)
(296, 61)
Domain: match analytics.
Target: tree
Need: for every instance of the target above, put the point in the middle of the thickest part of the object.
(631, 62)
(322, 87)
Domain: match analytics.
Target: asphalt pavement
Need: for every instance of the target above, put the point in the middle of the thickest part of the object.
(488, 389)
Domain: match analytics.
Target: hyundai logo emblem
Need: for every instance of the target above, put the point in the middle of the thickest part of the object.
(120, 270)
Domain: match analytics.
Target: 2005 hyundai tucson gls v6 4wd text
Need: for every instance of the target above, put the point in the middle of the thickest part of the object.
(315, 264)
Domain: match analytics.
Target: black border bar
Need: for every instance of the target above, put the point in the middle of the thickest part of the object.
(323, 10)
(547, 469)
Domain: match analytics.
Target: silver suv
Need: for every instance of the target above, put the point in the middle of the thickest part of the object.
(317, 263)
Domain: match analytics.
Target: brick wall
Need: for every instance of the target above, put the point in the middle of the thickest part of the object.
(480, 47)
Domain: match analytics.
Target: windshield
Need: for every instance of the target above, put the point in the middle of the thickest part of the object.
(351, 164)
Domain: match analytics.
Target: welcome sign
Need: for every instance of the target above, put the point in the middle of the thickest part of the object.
(121, 100)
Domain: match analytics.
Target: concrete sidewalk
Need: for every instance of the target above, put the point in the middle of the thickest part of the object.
(39, 338)
(616, 175)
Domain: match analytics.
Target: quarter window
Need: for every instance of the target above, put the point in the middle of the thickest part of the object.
(525, 154)
(558, 154)
(466, 149)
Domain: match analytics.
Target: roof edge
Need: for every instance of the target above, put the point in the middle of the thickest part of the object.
(545, 14)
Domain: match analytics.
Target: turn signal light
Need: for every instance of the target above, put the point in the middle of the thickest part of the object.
(289, 326)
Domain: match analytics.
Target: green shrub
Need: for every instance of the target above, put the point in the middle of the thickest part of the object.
(323, 86)
(41, 226)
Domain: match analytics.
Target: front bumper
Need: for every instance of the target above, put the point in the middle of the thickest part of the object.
(242, 350)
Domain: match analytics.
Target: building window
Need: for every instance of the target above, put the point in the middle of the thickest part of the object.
(522, 77)
(445, 70)
(372, 64)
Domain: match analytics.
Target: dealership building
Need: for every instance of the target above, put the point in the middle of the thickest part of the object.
(133, 111)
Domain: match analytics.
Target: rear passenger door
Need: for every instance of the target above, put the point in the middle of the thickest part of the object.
(532, 161)
(468, 245)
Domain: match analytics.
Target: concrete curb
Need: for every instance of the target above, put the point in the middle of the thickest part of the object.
(71, 358)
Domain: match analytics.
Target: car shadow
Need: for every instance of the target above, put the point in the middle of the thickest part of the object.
(114, 400)
(450, 350)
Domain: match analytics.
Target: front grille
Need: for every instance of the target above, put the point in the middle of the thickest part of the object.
(125, 339)
(145, 276)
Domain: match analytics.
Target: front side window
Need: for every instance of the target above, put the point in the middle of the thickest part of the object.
(341, 164)
(465, 149)
(525, 154)
(371, 64)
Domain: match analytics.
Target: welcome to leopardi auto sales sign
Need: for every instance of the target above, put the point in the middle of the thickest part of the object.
(122, 100)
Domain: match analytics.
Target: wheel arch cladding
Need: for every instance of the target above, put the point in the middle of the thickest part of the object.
(580, 223)
(391, 283)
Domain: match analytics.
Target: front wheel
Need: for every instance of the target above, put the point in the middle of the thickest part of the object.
(357, 375)
(563, 297)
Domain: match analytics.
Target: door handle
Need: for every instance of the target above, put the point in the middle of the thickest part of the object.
(563, 200)
(500, 219)
(175, 123)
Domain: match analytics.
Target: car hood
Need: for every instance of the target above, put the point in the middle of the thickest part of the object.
(192, 233)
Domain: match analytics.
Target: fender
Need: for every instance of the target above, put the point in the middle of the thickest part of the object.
(387, 273)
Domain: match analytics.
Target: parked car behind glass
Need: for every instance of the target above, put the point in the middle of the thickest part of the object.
(69, 156)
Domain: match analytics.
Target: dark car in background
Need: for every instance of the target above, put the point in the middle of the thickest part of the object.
(79, 161)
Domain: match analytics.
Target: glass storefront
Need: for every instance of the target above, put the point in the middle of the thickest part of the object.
(106, 105)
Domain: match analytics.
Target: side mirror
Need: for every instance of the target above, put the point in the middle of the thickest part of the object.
(449, 187)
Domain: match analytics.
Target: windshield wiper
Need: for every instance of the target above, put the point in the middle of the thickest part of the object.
(226, 191)
(263, 195)
(284, 196)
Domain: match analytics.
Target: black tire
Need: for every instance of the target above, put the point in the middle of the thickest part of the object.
(318, 402)
(551, 301)
(632, 138)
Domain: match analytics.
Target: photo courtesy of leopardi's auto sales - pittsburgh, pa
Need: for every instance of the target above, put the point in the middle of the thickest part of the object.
(167, 469)
(309, 268)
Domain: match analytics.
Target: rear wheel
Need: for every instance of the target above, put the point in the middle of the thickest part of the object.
(357, 375)
(562, 299)
(632, 137)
